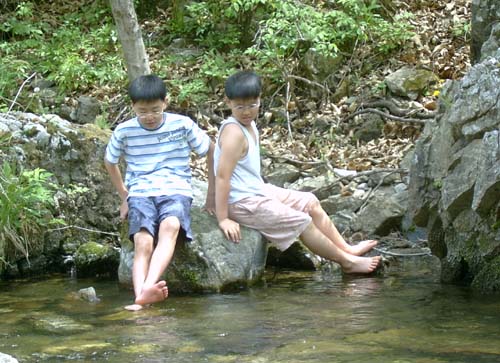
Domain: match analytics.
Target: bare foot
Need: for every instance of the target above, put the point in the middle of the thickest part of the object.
(134, 307)
(362, 247)
(157, 292)
(363, 265)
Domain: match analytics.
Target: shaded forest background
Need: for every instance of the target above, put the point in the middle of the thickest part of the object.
(321, 61)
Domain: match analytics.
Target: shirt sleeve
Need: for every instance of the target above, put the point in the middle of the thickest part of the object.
(197, 138)
(115, 148)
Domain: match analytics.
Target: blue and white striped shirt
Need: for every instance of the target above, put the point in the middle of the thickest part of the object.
(157, 160)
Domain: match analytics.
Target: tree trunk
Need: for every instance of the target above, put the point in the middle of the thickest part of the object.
(130, 37)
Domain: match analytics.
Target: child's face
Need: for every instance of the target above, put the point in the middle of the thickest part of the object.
(150, 113)
(245, 110)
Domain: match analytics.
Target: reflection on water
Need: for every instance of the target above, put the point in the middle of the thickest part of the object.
(295, 317)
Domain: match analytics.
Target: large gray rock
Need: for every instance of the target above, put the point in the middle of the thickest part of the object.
(485, 13)
(209, 262)
(410, 82)
(321, 186)
(88, 109)
(383, 214)
(88, 203)
(455, 178)
(85, 198)
(490, 47)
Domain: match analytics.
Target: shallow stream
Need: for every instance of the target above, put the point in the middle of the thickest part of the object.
(294, 317)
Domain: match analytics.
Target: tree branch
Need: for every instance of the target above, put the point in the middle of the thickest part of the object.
(383, 114)
(19, 91)
(84, 229)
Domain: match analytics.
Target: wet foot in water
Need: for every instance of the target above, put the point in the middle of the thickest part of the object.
(149, 295)
(157, 292)
(361, 265)
(362, 247)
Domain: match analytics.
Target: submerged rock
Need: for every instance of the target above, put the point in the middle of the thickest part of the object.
(58, 324)
(88, 294)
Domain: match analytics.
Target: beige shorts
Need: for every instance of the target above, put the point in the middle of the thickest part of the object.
(281, 215)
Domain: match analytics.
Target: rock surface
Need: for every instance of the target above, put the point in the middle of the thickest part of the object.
(454, 186)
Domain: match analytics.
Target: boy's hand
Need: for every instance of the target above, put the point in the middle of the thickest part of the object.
(123, 210)
(231, 230)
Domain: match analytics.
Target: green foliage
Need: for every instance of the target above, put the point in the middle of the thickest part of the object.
(462, 29)
(380, 88)
(388, 36)
(295, 28)
(12, 69)
(26, 199)
(77, 50)
(192, 92)
(199, 86)
(274, 36)
(102, 121)
(20, 24)
(77, 47)
(221, 24)
(496, 226)
(437, 184)
(91, 57)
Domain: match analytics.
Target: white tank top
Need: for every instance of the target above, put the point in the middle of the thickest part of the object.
(246, 180)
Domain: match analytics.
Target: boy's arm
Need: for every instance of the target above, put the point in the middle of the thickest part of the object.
(232, 144)
(210, 201)
(117, 181)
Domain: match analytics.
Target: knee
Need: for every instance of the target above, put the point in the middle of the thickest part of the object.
(313, 206)
(143, 242)
(170, 225)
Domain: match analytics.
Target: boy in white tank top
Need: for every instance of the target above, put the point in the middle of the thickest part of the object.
(281, 215)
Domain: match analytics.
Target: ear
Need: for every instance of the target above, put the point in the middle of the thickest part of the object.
(227, 101)
(165, 102)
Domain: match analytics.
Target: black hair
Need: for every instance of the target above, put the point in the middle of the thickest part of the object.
(244, 84)
(147, 88)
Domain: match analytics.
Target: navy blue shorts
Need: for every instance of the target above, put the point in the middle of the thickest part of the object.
(148, 212)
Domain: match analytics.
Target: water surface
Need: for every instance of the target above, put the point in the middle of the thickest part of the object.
(294, 317)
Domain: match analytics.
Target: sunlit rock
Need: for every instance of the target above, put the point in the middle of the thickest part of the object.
(58, 324)
(5, 358)
(454, 188)
(209, 262)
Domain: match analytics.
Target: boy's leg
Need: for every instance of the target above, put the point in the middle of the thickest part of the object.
(323, 222)
(173, 214)
(152, 290)
(282, 224)
(321, 245)
(308, 203)
(143, 223)
(143, 250)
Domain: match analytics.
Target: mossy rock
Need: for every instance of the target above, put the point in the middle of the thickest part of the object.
(94, 259)
(488, 278)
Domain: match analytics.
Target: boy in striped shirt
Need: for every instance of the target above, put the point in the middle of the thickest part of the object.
(156, 193)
